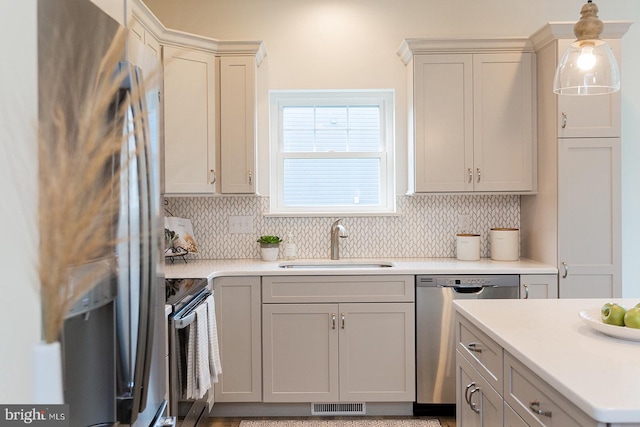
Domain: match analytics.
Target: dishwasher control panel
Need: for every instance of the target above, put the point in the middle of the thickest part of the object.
(468, 281)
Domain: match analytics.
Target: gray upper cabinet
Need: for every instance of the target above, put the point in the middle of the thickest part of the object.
(473, 114)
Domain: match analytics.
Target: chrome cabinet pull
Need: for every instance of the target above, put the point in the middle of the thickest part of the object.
(213, 176)
(564, 120)
(470, 172)
(473, 405)
(333, 320)
(473, 346)
(250, 177)
(342, 318)
(466, 392)
(534, 405)
(526, 291)
(566, 269)
(478, 171)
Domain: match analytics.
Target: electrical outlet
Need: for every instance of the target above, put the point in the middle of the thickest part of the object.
(464, 222)
(240, 224)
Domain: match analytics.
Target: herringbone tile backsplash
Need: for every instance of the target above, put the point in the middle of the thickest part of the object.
(425, 226)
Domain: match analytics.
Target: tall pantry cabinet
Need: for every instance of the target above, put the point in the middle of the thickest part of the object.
(574, 220)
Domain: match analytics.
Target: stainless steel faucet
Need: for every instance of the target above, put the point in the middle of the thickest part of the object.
(337, 231)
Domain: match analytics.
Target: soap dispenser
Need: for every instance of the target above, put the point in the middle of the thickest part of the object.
(290, 249)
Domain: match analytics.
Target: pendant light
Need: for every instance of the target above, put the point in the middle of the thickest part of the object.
(588, 66)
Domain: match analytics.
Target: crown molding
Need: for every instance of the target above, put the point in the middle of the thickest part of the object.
(230, 47)
(416, 46)
(168, 36)
(556, 30)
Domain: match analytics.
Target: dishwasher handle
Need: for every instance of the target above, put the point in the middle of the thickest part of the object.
(467, 289)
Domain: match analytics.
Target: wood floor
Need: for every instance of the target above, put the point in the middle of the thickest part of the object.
(235, 422)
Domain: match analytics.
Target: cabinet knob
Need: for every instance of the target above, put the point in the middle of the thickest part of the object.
(564, 120)
(478, 171)
(473, 346)
(213, 176)
(466, 392)
(534, 405)
(342, 319)
(470, 172)
(473, 405)
(333, 320)
(250, 177)
(526, 291)
(566, 269)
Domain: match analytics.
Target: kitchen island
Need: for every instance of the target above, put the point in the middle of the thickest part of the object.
(596, 373)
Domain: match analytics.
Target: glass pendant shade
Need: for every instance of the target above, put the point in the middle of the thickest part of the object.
(588, 66)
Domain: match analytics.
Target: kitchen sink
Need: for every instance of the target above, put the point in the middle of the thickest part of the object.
(336, 264)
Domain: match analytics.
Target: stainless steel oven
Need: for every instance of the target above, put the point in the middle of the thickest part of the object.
(184, 296)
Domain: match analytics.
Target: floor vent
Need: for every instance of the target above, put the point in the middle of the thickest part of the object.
(338, 409)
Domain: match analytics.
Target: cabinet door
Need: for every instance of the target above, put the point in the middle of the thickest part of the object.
(538, 286)
(239, 333)
(237, 124)
(477, 403)
(589, 218)
(300, 352)
(589, 116)
(443, 120)
(503, 106)
(377, 352)
(189, 112)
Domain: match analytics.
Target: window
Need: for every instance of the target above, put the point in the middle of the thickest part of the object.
(332, 152)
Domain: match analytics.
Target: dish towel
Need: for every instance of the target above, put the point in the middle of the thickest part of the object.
(190, 359)
(215, 365)
(198, 373)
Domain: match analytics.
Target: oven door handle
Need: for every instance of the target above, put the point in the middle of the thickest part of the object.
(185, 321)
(187, 315)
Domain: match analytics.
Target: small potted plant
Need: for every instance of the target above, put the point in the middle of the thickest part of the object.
(269, 247)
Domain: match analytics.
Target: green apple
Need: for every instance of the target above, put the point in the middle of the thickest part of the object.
(632, 318)
(613, 314)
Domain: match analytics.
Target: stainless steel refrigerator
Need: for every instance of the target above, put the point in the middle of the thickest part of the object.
(114, 351)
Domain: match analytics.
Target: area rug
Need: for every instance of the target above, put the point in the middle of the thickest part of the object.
(341, 423)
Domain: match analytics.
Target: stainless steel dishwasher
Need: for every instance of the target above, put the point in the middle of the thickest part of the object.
(435, 334)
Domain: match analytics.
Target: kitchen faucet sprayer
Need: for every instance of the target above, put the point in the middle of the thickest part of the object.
(337, 231)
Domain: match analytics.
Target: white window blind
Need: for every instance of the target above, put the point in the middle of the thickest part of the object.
(332, 152)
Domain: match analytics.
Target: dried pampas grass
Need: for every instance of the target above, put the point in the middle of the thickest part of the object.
(80, 145)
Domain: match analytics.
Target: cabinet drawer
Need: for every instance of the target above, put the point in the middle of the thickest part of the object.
(482, 352)
(537, 402)
(304, 289)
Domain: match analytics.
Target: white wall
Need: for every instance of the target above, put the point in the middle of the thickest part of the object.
(352, 44)
(18, 208)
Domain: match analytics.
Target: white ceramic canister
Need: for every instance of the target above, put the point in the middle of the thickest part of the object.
(468, 247)
(505, 244)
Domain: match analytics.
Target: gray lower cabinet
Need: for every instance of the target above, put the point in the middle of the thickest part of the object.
(239, 333)
(494, 388)
(478, 404)
(339, 342)
(538, 286)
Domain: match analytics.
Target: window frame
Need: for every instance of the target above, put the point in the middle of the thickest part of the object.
(382, 98)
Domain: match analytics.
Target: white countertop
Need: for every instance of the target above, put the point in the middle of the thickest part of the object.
(254, 267)
(598, 373)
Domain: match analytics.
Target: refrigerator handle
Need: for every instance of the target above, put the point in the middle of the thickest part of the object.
(149, 236)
